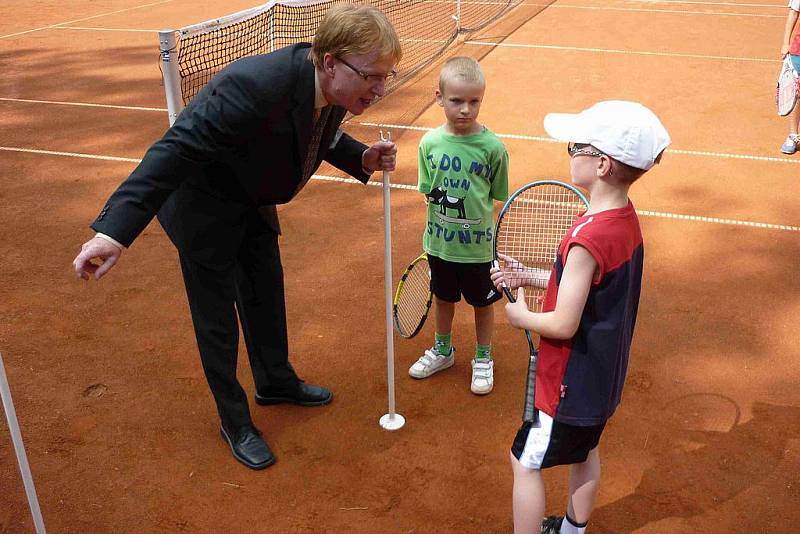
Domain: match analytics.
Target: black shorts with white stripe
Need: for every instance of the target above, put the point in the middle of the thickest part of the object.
(549, 443)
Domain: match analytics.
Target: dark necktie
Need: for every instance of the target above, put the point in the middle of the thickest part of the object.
(313, 144)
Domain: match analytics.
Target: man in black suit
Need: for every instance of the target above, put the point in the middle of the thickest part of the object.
(250, 140)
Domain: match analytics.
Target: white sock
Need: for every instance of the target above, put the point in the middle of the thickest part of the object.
(568, 527)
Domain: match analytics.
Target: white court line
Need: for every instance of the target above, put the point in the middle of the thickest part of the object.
(85, 18)
(378, 183)
(712, 3)
(505, 45)
(62, 25)
(723, 155)
(68, 154)
(717, 220)
(82, 104)
(551, 140)
(646, 213)
(629, 52)
(95, 29)
(678, 2)
(643, 10)
(676, 11)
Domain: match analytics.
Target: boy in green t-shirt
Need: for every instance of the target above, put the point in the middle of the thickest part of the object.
(463, 167)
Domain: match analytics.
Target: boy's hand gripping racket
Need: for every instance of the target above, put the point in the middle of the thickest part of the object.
(529, 229)
(412, 300)
(786, 92)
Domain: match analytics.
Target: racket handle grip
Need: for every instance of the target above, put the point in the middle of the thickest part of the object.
(508, 294)
(506, 291)
(529, 412)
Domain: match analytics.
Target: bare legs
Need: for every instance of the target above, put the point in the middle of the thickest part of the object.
(529, 495)
(484, 320)
(584, 481)
(484, 324)
(444, 315)
(528, 498)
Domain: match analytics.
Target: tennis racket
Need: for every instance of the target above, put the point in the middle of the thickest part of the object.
(786, 92)
(529, 229)
(412, 300)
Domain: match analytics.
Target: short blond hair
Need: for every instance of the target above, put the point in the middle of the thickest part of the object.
(629, 174)
(355, 29)
(463, 67)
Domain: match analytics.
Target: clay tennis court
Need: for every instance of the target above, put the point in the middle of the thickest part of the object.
(119, 424)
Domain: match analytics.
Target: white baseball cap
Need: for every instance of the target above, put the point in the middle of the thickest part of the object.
(626, 131)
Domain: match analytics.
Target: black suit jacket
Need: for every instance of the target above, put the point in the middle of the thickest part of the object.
(240, 144)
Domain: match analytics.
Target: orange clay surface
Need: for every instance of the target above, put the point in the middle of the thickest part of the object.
(118, 421)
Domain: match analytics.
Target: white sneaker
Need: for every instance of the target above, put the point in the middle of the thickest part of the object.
(482, 377)
(432, 362)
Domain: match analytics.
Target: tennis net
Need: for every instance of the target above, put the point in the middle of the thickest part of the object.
(191, 56)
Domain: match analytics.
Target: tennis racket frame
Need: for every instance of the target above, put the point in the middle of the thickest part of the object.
(793, 87)
(529, 413)
(422, 258)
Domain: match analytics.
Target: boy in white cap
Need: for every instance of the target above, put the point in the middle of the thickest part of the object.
(589, 311)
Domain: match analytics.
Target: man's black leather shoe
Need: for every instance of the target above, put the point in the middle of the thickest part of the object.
(248, 447)
(302, 394)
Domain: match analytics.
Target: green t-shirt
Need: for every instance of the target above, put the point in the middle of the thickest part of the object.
(461, 175)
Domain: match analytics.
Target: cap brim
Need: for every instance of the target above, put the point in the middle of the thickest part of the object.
(565, 127)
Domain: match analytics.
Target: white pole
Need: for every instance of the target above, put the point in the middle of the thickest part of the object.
(392, 420)
(169, 70)
(19, 448)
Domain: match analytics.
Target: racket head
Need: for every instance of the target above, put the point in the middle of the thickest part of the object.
(530, 227)
(412, 300)
(786, 92)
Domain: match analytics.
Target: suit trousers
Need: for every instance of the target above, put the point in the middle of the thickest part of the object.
(250, 286)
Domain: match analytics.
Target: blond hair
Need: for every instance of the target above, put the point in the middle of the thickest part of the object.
(628, 174)
(355, 29)
(463, 67)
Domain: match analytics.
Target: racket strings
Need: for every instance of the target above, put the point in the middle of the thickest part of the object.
(787, 88)
(530, 231)
(414, 298)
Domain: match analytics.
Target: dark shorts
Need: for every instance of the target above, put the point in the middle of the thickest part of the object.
(450, 280)
(551, 443)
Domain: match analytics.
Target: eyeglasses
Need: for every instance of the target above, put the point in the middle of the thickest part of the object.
(372, 78)
(582, 149)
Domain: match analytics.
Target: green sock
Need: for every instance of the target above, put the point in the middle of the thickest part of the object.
(483, 352)
(443, 344)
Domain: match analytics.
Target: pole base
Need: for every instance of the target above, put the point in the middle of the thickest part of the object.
(392, 421)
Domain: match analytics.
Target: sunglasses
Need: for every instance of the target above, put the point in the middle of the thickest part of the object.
(582, 149)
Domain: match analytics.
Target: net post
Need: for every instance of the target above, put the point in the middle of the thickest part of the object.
(169, 70)
(392, 420)
(457, 16)
(19, 449)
